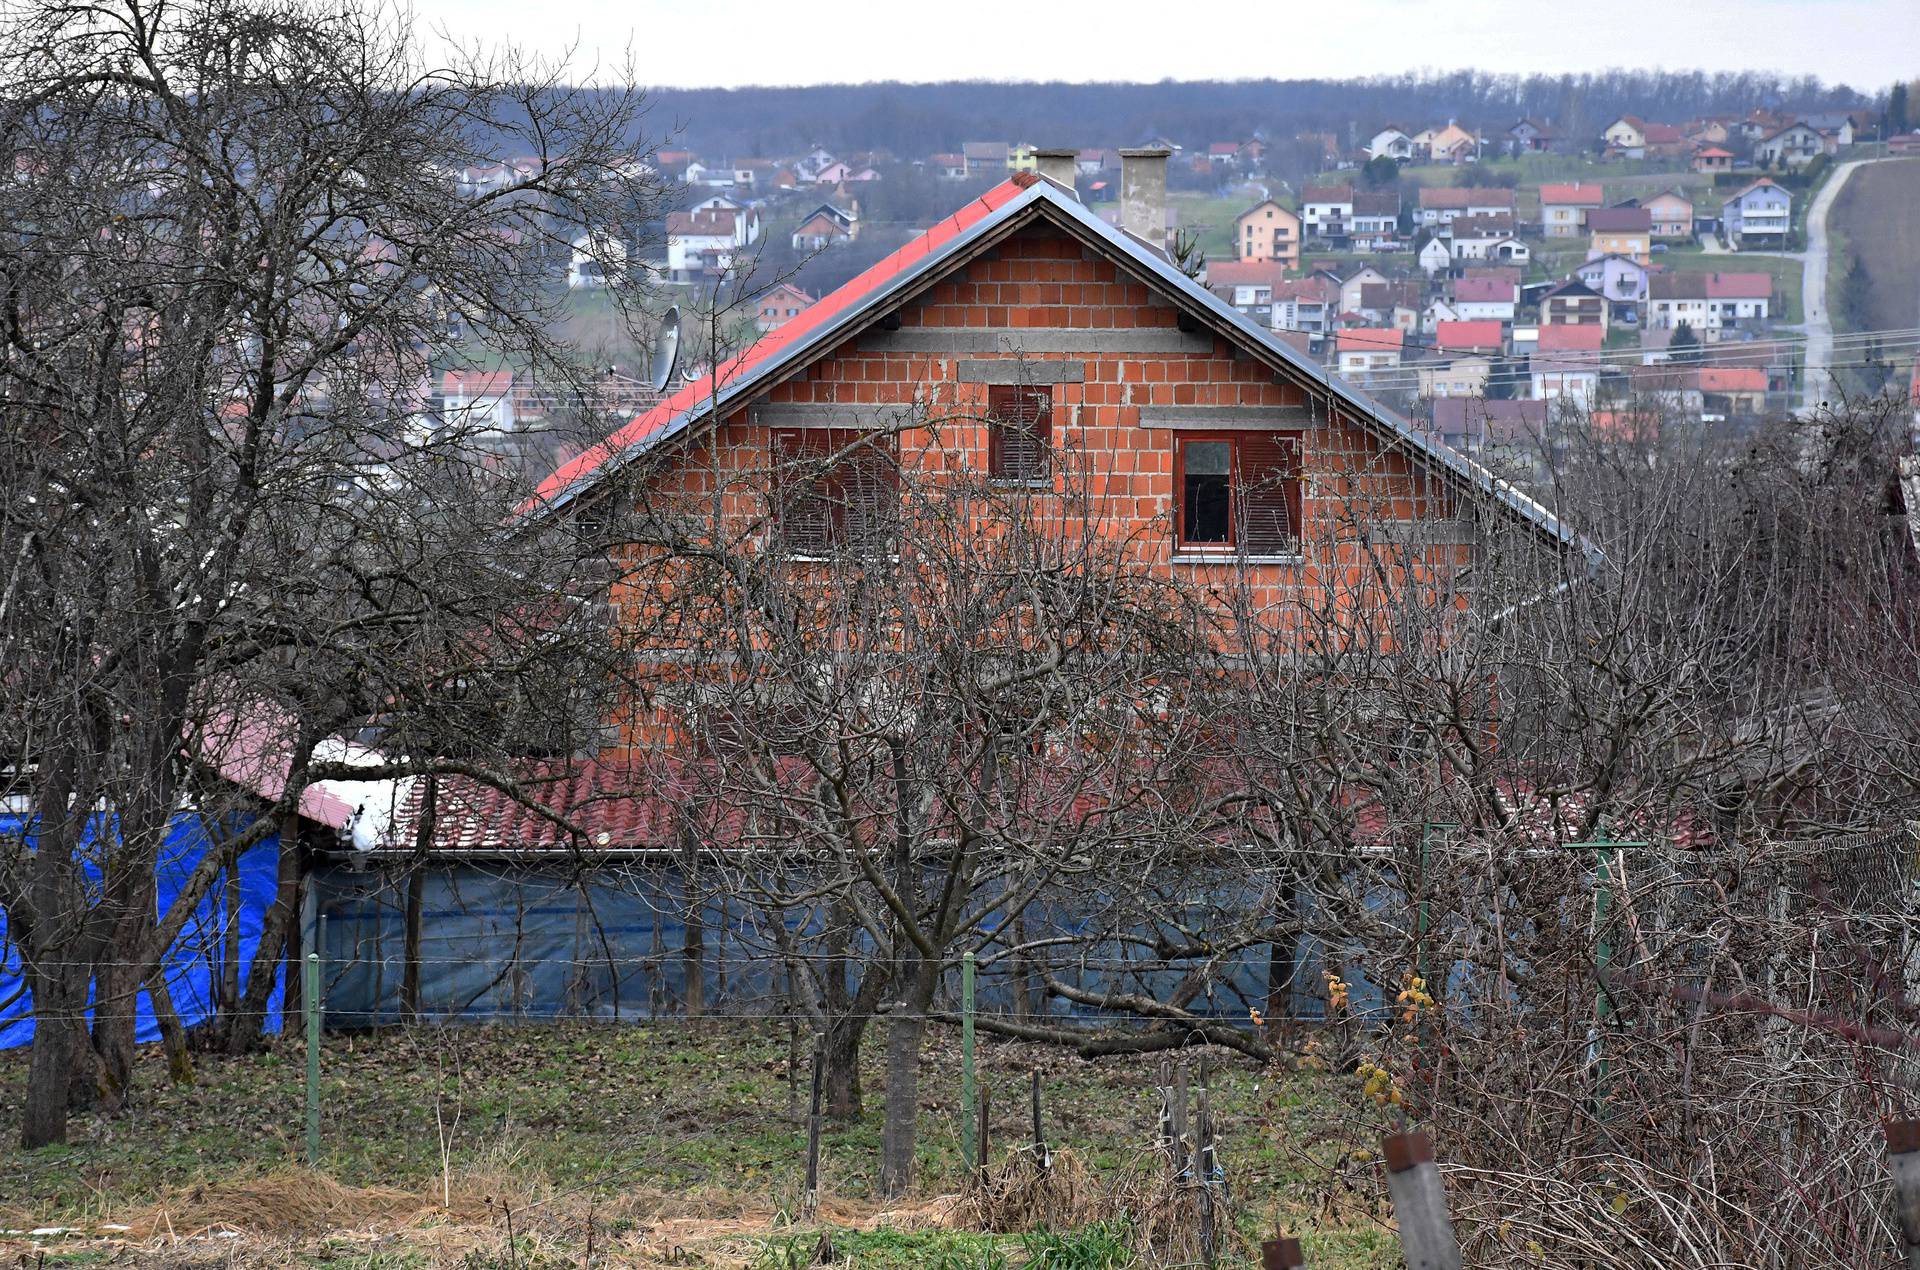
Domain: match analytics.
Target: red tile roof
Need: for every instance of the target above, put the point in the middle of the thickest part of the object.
(1575, 194)
(1243, 273)
(1561, 337)
(1484, 290)
(1371, 339)
(846, 297)
(1458, 198)
(1457, 336)
(1732, 379)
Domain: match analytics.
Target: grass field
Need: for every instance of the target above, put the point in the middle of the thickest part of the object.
(1876, 219)
(633, 1140)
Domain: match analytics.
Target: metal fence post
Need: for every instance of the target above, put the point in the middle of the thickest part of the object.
(311, 1000)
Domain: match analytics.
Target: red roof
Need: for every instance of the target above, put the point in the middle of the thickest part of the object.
(1576, 194)
(1732, 379)
(477, 383)
(1715, 152)
(847, 297)
(1481, 333)
(1372, 339)
(1484, 290)
(1460, 198)
(1560, 337)
(1245, 273)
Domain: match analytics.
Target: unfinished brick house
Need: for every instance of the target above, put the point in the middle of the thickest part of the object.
(1025, 325)
(1024, 338)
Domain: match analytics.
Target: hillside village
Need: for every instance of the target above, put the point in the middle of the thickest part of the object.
(1646, 266)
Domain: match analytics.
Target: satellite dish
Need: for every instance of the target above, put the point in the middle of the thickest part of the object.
(666, 349)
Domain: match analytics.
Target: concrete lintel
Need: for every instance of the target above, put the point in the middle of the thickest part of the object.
(1037, 340)
(803, 414)
(1018, 370)
(1201, 417)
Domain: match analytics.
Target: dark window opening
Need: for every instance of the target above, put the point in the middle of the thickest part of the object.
(1019, 432)
(1240, 490)
(1206, 475)
(838, 490)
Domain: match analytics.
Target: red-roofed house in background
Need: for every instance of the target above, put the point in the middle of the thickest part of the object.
(1711, 303)
(702, 243)
(1482, 336)
(1733, 390)
(774, 309)
(1711, 160)
(1563, 338)
(1267, 231)
(1367, 348)
(1564, 208)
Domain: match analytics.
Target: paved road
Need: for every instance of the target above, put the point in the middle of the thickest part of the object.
(1817, 383)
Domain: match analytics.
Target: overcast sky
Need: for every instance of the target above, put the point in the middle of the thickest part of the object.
(1865, 43)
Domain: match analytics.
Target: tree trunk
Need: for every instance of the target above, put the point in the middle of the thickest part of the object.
(278, 950)
(844, 1096)
(898, 1132)
(173, 1037)
(694, 947)
(416, 906)
(51, 1068)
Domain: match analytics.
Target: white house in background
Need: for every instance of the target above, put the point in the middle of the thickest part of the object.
(1758, 216)
(482, 398)
(1438, 311)
(597, 261)
(1326, 212)
(1353, 285)
(718, 176)
(1367, 348)
(1461, 377)
(1484, 298)
(1561, 380)
(1441, 205)
(1710, 303)
(1390, 143)
(703, 243)
(1794, 146)
(1435, 257)
(1306, 304)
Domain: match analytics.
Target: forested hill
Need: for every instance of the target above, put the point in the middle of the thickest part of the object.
(915, 119)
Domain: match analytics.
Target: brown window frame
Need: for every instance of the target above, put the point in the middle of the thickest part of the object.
(1263, 444)
(1003, 415)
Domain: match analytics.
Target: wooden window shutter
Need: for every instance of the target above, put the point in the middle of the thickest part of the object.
(1019, 432)
(852, 503)
(1269, 490)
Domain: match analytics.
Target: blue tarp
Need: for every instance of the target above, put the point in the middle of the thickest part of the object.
(194, 962)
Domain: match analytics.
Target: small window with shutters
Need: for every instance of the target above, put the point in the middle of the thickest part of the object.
(1020, 432)
(1238, 491)
(837, 490)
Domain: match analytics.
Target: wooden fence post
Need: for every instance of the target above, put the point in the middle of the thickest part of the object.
(1903, 1161)
(1419, 1203)
(810, 1195)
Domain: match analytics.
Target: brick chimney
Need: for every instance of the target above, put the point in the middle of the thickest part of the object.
(1059, 165)
(1143, 194)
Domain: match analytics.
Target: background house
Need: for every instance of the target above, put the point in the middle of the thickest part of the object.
(1758, 216)
(1267, 231)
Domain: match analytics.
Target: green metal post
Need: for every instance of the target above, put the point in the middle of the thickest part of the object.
(1603, 848)
(311, 999)
(970, 1132)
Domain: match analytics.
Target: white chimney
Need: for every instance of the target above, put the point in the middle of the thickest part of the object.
(1059, 165)
(1143, 194)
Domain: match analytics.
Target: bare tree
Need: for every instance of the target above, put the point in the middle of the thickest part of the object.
(236, 249)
